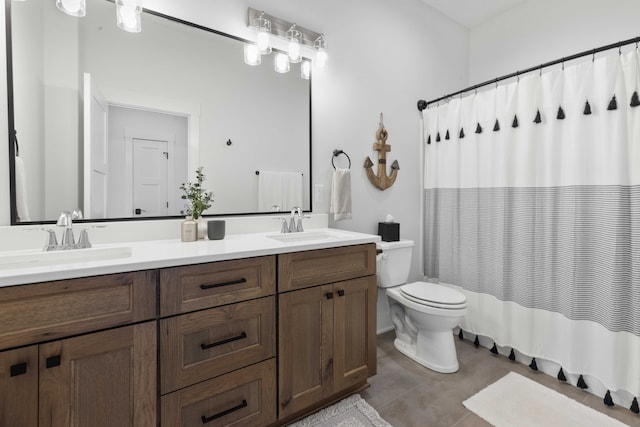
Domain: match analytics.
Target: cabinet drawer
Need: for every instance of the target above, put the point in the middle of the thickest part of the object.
(45, 311)
(201, 345)
(303, 269)
(244, 397)
(194, 287)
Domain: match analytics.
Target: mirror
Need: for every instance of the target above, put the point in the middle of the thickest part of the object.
(113, 122)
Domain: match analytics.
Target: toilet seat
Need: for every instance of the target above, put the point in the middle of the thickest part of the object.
(434, 295)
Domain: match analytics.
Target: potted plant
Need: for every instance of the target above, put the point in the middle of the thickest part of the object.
(199, 200)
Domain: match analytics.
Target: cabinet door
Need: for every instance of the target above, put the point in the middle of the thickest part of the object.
(354, 332)
(101, 379)
(305, 354)
(19, 387)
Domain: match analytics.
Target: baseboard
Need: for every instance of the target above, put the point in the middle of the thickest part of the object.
(383, 330)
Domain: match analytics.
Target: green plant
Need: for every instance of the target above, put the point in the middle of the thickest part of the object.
(199, 199)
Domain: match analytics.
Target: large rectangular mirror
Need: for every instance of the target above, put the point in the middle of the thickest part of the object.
(113, 122)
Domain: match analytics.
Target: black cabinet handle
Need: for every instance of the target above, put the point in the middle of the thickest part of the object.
(18, 369)
(218, 285)
(341, 293)
(225, 412)
(329, 295)
(224, 341)
(52, 361)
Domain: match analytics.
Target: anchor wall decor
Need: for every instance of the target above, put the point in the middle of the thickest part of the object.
(382, 181)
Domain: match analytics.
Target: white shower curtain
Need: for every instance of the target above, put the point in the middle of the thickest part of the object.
(532, 209)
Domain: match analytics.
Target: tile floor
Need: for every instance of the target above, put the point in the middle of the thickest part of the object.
(406, 394)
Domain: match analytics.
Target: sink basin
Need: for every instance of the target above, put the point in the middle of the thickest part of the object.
(29, 259)
(306, 236)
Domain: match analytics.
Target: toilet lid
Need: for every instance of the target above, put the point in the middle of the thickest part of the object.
(433, 294)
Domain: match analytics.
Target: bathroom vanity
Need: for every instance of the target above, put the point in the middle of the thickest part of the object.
(250, 331)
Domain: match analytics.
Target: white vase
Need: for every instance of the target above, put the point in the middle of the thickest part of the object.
(202, 228)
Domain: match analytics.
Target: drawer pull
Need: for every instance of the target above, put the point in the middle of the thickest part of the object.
(341, 293)
(225, 412)
(52, 361)
(18, 369)
(218, 285)
(329, 295)
(224, 341)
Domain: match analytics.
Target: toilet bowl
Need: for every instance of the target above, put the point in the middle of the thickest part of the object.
(423, 314)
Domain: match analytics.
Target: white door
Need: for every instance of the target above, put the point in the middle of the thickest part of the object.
(95, 151)
(150, 174)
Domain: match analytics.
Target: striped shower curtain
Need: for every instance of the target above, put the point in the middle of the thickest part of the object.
(532, 210)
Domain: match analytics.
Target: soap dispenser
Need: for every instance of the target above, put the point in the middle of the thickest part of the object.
(189, 230)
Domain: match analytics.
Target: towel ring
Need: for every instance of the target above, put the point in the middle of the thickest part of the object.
(336, 153)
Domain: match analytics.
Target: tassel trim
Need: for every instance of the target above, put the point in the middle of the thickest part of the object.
(461, 135)
(515, 122)
(438, 137)
(581, 384)
(512, 355)
(446, 136)
(607, 399)
(561, 376)
(635, 99)
(587, 109)
(478, 128)
(429, 140)
(494, 349)
(496, 126)
(634, 406)
(560, 115)
(613, 104)
(538, 118)
(460, 335)
(533, 365)
(476, 342)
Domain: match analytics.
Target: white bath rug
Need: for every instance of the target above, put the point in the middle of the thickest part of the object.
(350, 412)
(515, 400)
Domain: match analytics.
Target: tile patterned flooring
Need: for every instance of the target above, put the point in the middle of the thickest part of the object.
(407, 394)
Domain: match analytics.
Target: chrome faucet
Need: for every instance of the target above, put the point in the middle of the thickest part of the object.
(296, 225)
(66, 220)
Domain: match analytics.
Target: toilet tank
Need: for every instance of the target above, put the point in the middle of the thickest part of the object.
(394, 263)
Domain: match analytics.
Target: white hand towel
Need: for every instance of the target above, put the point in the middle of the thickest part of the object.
(21, 191)
(269, 190)
(341, 194)
(291, 190)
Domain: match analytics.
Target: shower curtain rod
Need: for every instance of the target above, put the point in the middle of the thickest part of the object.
(422, 104)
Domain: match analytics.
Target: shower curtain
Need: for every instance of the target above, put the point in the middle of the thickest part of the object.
(532, 210)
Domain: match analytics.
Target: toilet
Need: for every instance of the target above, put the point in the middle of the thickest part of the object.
(423, 314)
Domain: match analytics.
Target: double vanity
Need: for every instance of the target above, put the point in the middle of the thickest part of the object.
(253, 330)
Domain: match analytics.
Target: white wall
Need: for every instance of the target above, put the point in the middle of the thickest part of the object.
(539, 31)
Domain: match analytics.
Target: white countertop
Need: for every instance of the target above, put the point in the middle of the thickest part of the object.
(134, 256)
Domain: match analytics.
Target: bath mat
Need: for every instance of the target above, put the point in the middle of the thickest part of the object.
(515, 400)
(350, 412)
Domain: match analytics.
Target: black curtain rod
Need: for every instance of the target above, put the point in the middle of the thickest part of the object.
(422, 104)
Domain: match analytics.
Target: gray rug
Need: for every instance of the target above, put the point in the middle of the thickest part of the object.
(350, 412)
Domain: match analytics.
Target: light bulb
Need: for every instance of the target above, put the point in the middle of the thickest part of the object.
(305, 70)
(321, 58)
(128, 15)
(281, 63)
(72, 7)
(251, 54)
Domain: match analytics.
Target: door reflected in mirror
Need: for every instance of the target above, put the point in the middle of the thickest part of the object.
(113, 122)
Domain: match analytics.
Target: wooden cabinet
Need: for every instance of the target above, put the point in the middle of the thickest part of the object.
(217, 355)
(327, 343)
(103, 378)
(19, 387)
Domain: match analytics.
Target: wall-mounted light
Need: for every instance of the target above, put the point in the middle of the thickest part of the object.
(72, 7)
(252, 54)
(305, 70)
(321, 51)
(293, 48)
(281, 63)
(297, 38)
(128, 15)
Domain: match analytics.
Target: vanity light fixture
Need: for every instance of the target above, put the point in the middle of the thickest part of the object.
(252, 54)
(321, 51)
(268, 28)
(281, 63)
(305, 69)
(128, 15)
(72, 7)
(293, 49)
